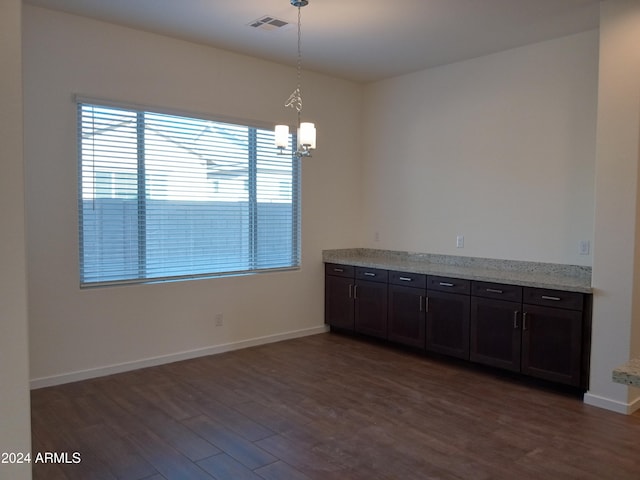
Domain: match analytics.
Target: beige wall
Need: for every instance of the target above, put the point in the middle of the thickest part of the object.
(500, 149)
(616, 266)
(15, 434)
(78, 333)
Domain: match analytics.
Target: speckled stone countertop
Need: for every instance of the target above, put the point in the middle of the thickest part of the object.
(629, 373)
(571, 278)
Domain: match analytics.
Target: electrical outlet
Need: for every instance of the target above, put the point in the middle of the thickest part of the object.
(460, 241)
(219, 319)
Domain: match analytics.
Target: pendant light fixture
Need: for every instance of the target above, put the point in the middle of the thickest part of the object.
(306, 130)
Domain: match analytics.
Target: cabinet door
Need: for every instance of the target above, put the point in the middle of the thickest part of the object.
(551, 344)
(371, 308)
(338, 302)
(406, 315)
(496, 333)
(448, 324)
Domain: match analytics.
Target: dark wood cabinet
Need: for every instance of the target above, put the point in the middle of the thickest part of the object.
(370, 308)
(542, 338)
(552, 331)
(495, 333)
(370, 299)
(448, 324)
(338, 302)
(406, 308)
(496, 317)
(429, 312)
(537, 332)
(338, 296)
(352, 303)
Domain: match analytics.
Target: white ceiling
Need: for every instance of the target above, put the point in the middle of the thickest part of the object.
(361, 40)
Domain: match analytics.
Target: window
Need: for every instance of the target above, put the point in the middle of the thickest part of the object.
(172, 197)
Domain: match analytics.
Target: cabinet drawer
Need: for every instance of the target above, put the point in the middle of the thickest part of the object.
(499, 291)
(416, 280)
(339, 270)
(372, 274)
(553, 298)
(447, 284)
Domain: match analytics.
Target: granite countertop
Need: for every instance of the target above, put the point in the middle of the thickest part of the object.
(629, 373)
(572, 278)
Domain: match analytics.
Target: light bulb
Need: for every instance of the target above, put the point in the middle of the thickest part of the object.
(282, 136)
(307, 134)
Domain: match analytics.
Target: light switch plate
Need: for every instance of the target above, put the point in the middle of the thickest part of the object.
(585, 247)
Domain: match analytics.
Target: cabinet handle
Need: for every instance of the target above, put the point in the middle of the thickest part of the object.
(355, 291)
(350, 291)
(426, 304)
(421, 300)
(515, 319)
(369, 274)
(338, 269)
(446, 284)
(555, 299)
(405, 279)
(494, 290)
(524, 321)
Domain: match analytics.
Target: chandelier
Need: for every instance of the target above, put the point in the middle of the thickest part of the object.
(306, 130)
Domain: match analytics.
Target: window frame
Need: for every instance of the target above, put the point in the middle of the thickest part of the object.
(295, 253)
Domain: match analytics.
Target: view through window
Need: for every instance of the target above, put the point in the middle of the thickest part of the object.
(171, 197)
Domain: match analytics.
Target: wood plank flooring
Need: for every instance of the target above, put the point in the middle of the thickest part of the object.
(326, 407)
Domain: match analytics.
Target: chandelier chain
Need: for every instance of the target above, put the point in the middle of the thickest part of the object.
(295, 99)
(306, 136)
(299, 62)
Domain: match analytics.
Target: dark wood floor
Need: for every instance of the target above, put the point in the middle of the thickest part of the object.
(326, 407)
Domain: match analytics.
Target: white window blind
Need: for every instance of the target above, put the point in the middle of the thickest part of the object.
(171, 197)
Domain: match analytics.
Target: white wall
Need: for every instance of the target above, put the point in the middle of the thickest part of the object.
(616, 266)
(74, 330)
(15, 432)
(500, 149)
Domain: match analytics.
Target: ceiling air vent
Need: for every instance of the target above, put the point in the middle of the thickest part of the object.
(269, 23)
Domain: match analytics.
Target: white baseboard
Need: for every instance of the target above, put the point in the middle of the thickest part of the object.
(174, 357)
(612, 405)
